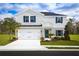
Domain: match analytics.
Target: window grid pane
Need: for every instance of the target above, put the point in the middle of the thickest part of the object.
(59, 32)
(59, 19)
(26, 18)
(33, 18)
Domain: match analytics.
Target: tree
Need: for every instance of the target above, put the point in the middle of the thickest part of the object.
(10, 25)
(77, 28)
(66, 33)
(70, 26)
(1, 22)
(71, 19)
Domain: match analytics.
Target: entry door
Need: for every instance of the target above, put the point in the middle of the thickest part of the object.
(46, 33)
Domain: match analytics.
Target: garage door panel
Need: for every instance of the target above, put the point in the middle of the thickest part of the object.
(29, 33)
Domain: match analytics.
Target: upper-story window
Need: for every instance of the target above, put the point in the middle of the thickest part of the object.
(32, 18)
(59, 19)
(26, 18)
(29, 18)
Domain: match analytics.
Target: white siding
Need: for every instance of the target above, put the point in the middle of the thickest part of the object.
(46, 21)
(52, 21)
(39, 18)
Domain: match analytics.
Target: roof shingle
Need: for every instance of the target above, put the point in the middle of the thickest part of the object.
(51, 14)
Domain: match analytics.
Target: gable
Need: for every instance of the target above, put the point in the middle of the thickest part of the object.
(29, 12)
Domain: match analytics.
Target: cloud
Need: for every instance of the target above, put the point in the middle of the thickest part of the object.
(70, 9)
(68, 6)
(2, 16)
(51, 6)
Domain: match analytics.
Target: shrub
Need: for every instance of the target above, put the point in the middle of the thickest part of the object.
(50, 35)
(62, 38)
(13, 39)
(57, 38)
(66, 33)
(42, 38)
(52, 39)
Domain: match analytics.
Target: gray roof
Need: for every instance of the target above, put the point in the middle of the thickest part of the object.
(51, 14)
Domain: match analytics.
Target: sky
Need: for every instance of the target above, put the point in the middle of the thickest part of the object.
(70, 9)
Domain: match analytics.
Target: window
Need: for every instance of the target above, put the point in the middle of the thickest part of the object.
(59, 32)
(59, 19)
(29, 18)
(32, 18)
(26, 18)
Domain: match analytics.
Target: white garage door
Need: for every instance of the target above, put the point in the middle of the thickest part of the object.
(27, 34)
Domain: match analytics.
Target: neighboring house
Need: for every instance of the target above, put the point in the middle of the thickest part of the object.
(35, 24)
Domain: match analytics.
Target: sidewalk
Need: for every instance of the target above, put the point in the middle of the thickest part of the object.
(58, 46)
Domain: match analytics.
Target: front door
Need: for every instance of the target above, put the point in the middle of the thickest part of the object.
(46, 33)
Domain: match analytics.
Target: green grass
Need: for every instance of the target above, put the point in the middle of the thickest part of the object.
(74, 37)
(61, 42)
(74, 41)
(5, 39)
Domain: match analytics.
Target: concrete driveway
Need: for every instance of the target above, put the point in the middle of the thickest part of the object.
(23, 45)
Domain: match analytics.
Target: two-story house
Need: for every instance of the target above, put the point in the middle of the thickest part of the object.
(35, 24)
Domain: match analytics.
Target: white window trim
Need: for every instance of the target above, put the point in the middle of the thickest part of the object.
(30, 20)
(58, 19)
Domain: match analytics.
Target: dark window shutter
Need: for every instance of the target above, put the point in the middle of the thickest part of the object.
(33, 18)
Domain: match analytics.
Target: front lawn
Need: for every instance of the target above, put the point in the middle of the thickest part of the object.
(5, 39)
(74, 37)
(74, 41)
(61, 42)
